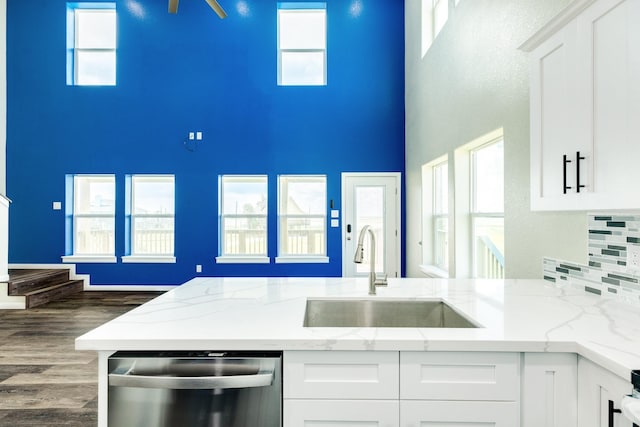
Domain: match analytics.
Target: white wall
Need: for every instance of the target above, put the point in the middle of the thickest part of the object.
(472, 81)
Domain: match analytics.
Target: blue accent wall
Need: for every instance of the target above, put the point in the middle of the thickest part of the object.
(195, 72)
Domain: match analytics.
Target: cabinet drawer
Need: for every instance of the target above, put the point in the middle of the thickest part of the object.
(340, 374)
(339, 413)
(418, 413)
(459, 376)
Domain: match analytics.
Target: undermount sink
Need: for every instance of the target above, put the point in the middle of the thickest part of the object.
(383, 313)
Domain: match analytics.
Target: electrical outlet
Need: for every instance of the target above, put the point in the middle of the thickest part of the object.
(57, 206)
(633, 258)
(198, 268)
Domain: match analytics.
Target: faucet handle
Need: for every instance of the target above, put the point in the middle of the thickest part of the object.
(381, 281)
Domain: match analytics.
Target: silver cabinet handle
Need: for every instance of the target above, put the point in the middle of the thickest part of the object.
(261, 379)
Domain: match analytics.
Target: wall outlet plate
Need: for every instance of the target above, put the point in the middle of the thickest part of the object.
(633, 258)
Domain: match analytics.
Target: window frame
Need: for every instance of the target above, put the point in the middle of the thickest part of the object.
(244, 258)
(301, 258)
(474, 213)
(301, 7)
(134, 256)
(437, 25)
(74, 10)
(440, 214)
(73, 215)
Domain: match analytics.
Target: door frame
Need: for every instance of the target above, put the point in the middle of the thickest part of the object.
(398, 206)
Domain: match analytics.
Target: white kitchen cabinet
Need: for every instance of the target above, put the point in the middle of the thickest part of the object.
(436, 413)
(549, 390)
(599, 393)
(585, 104)
(340, 413)
(369, 388)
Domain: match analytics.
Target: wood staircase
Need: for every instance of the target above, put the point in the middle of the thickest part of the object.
(40, 286)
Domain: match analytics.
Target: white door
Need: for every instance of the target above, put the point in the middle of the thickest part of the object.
(371, 199)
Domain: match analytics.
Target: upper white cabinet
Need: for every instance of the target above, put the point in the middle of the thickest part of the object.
(585, 108)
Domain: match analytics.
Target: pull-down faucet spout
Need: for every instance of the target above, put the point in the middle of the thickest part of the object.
(359, 256)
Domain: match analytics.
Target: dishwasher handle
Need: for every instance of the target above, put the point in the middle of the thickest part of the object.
(261, 379)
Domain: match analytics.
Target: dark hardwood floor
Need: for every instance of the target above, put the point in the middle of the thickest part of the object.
(44, 381)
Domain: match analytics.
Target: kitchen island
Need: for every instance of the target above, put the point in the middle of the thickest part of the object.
(516, 316)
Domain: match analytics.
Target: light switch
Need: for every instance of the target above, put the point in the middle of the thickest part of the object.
(199, 136)
(192, 136)
(57, 206)
(335, 223)
(335, 213)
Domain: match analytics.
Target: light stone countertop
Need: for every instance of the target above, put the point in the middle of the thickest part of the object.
(267, 314)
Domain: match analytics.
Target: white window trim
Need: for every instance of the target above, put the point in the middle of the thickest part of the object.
(140, 256)
(323, 51)
(80, 257)
(299, 259)
(428, 241)
(148, 259)
(479, 144)
(242, 259)
(224, 258)
(286, 258)
(100, 259)
(77, 50)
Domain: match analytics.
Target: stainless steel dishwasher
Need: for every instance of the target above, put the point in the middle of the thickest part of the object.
(195, 389)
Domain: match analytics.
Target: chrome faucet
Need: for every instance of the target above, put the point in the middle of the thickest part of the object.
(373, 281)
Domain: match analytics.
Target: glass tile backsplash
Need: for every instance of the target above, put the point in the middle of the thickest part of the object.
(611, 237)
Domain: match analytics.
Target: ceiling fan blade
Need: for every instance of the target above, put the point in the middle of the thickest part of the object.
(216, 7)
(173, 6)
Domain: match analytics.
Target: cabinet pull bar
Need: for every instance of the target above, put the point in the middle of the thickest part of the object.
(564, 174)
(612, 411)
(578, 158)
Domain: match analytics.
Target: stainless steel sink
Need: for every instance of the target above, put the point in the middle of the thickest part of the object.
(383, 313)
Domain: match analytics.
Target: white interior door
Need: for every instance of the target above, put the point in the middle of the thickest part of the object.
(371, 199)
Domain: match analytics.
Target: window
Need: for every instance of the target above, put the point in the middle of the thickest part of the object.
(243, 218)
(302, 217)
(435, 218)
(440, 215)
(92, 217)
(440, 15)
(150, 218)
(302, 44)
(487, 210)
(91, 44)
(435, 14)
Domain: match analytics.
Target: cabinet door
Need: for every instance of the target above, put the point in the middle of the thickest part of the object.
(340, 413)
(549, 390)
(459, 376)
(554, 101)
(418, 413)
(609, 52)
(340, 375)
(596, 388)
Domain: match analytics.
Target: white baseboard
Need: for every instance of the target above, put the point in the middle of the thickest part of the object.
(130, 288)
(11, 302)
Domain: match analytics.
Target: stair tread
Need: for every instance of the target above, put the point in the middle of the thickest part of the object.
(52, 287)
(21, 275)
